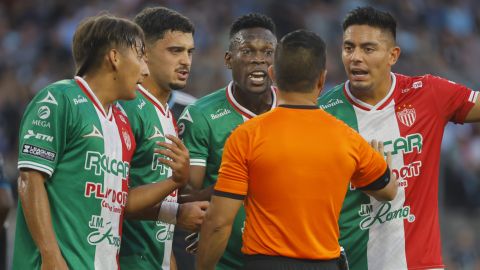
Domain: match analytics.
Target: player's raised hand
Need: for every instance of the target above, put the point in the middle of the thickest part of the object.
(378, 146)
(177, 158)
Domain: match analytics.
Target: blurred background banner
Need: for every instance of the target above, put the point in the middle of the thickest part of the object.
(436, 37)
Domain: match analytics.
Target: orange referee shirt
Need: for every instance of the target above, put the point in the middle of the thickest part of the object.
(293, 166)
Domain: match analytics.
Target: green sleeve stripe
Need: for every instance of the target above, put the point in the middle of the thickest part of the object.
(35, 166)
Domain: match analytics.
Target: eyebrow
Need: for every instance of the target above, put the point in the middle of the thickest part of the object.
(364, 44)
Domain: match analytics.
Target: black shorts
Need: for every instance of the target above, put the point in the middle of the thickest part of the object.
(263, 262)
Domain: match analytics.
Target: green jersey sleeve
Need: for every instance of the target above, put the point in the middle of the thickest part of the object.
(43, 131)
(195, 132)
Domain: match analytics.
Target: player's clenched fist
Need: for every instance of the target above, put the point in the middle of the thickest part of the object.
(177, 158)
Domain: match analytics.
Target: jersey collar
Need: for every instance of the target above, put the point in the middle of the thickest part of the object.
(93, 98)
(164, 110)
(242, 110)
(365, 106)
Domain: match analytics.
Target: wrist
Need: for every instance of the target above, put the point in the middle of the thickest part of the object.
(168, 212)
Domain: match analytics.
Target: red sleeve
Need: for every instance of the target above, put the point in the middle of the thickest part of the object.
(454, 101)
(233, 173)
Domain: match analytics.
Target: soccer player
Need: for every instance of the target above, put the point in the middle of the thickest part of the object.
(292, 166)
(409, 115)
(75, 151)
(169, 47)
(205, 125)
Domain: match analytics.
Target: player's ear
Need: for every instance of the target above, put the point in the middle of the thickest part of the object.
(228, 59)
(321, 80)
(113, 58)
(394, 55)
(271, 73)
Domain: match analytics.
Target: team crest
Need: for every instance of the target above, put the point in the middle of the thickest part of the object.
(407, 115)
(126, 139)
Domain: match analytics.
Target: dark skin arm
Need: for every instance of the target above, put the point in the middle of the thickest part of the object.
(36, 208)
(193, 191)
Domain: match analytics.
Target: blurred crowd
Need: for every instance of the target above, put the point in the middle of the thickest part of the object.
(440, 37)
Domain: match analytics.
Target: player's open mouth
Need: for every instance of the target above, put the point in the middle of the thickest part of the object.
(183, 74)
(358, 74)
(257, 77)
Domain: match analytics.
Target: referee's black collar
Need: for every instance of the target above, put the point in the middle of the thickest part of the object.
(307, 107)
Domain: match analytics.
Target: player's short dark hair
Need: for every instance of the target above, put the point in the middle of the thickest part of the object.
(96, 35)
(300, 58)
(251, 20)
(156, 21)
(372, 17)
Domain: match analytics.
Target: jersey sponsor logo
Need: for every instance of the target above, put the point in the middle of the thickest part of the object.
(383, 214)
(39, 136)
(157, 165)
(220, 113)
(126, 139)
(49, 99)
(417, 85)
(41, 123)
(110, 196)
(156, 133)
(405, 144)
(186, 116)
(95, 133)
(165, 232)
(407, 115)
(38, 152)
(79, 100)
(43, 112)
(331, 103)
(407, 171)
(101, 163)
(142, 104)
(102, 232)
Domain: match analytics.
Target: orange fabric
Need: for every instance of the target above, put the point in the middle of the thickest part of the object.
(294, 166)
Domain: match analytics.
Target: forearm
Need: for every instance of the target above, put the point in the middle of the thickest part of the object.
(36, 209)
(213, 241)
(150, 213)
(147, 196)
(196, 195)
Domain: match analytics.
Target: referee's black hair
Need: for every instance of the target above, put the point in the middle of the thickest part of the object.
(300, 58)
(372, 17)
(156, 21)
(251, 20)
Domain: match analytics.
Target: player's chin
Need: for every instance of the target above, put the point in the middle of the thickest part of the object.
(178, 85)
(258, 88)
(129, 95)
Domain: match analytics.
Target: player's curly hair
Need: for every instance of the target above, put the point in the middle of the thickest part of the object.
(252, 20)
(156, 21)
(372, 17)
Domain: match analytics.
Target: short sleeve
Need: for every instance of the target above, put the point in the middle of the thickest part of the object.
(370, 164)
(454, 101)
(195, 133)
(233, 173)
(42, 132)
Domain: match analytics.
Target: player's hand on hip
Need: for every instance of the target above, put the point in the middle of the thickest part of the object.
(176, 157)
(191, 215)
(54, 262)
